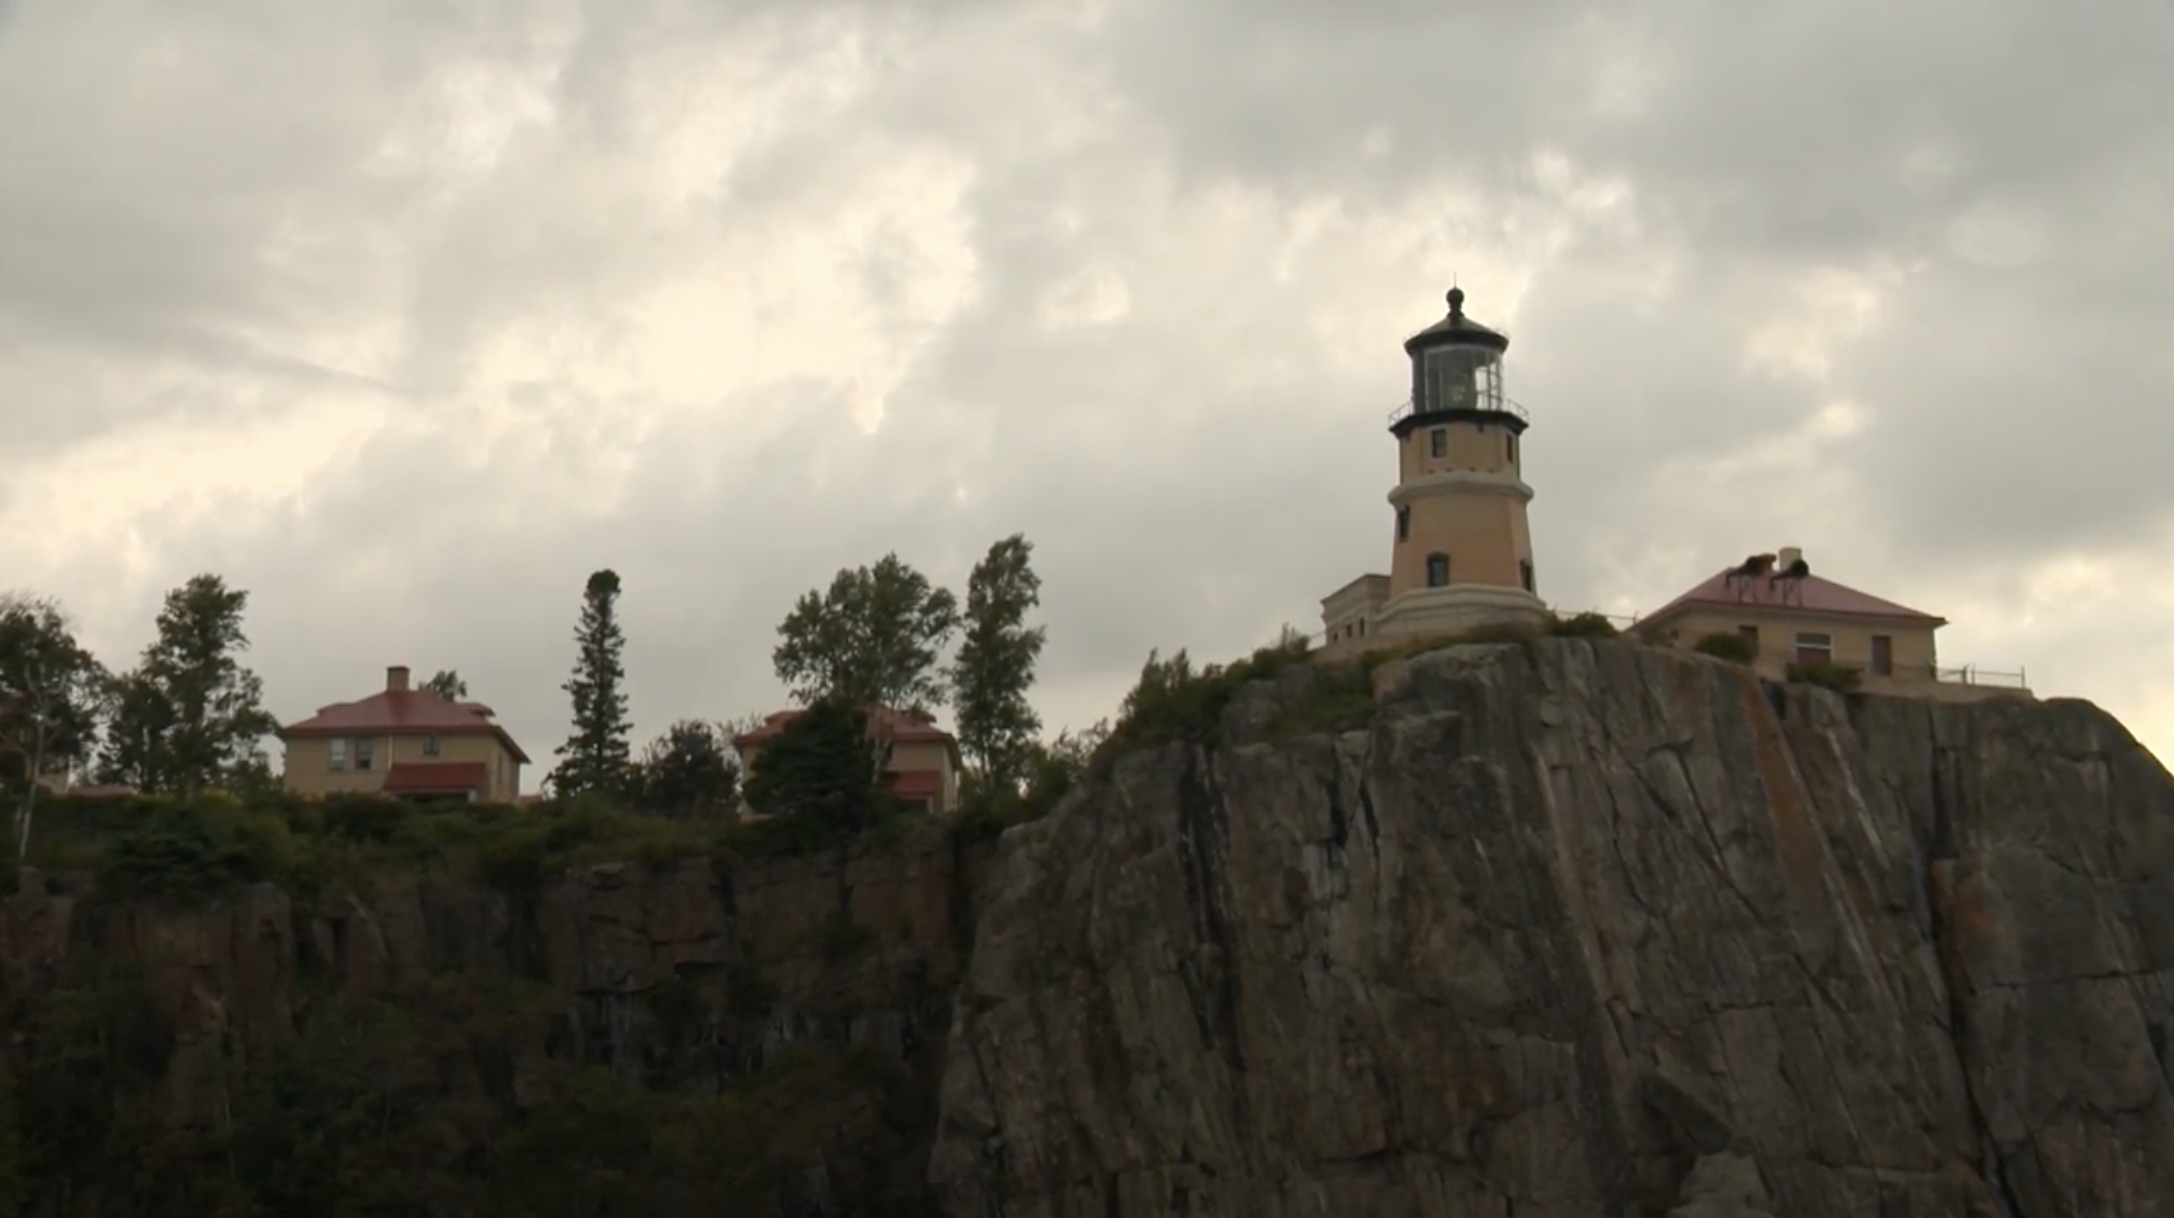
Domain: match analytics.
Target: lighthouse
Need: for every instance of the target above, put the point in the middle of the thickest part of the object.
(1461, 552)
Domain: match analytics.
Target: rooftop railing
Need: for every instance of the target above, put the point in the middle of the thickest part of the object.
(1505, 405)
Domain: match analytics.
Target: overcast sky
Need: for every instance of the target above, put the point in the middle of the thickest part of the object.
(406, 316)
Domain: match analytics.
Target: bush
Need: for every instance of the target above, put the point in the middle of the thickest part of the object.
(193, 853)
(1726, 645)
(1583, 626)
(1824, 673)
(1174, 701)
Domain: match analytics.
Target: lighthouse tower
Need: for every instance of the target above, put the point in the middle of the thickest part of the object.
(1462, 554)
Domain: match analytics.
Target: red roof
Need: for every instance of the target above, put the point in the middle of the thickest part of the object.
(903, 726)
(1810, 595)
(436, 777)
(407, 712)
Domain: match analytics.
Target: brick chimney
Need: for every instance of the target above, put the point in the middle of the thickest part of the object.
(396, 679)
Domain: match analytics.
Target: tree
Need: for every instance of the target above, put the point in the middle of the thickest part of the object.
(190, 716)
(50, 690)
(874, 637)
(690, 769)
(596, 756)
(820, 766)
(138, 725)
(995, 665)
(446, 683)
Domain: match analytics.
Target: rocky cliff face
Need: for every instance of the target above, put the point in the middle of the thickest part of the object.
(679, 977)
(1577, 929)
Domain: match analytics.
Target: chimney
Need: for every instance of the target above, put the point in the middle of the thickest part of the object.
(1787, 557)
(396, 679)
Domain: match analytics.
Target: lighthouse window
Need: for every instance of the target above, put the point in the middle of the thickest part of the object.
(1512, 442)
(1524, 570)
(1404, 524)
(1438, 441)
(1437, 570)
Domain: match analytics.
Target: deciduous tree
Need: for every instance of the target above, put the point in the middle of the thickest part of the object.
(689, 770)
(50, 690)
(994, 668)
(596, 758)
(191, 715)
(875, 637)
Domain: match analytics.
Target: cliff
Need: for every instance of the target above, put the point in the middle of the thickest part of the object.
(655, 1037)
(1573, 928)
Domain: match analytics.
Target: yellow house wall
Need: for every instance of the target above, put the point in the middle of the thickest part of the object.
(1915, 654)
(309, 769)
(925, 757)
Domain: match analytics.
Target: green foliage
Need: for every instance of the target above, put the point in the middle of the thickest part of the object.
(138, 731)
(190, 716)
(447, 684)
(690, 770)
(596, 758)
(994, 668)
(873, 638)
(1583, 626)
(819, 768)
(190, 854)
(1174, 701)
(1824, 673)
(50, 689)
(1726, 645)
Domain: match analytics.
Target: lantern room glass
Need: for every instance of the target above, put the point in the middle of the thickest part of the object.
(1460, 378)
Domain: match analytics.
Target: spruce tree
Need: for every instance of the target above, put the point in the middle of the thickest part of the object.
(596, 758)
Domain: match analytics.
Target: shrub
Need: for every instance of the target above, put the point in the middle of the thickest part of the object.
(192, 853)
(1726, 645)
(1583, 626)
(1824, 673)
(1174, 701)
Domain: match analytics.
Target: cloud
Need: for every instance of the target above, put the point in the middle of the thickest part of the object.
(407, 317)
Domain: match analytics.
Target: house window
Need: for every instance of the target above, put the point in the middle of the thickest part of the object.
(365, 752)
(1883, 655)
(432, 746)
(1404, 523)
(1750, 635)
(1437, 570)
(1524, 572)
(339, 753)
(1815, 648)
(1438, 441)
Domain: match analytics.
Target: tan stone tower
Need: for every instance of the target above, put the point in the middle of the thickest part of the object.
(1462, 554)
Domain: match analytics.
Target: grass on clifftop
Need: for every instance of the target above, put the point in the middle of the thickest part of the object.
(1175, 701)
(196, 849)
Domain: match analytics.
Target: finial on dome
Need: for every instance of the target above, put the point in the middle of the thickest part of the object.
(1456, 302)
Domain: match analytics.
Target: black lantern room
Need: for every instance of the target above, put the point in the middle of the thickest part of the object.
(1457, 374)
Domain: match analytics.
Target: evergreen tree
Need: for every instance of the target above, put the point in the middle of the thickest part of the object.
(995, 666)
(446, 683)
(820, 767)
(596, 757)
(191, 716)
